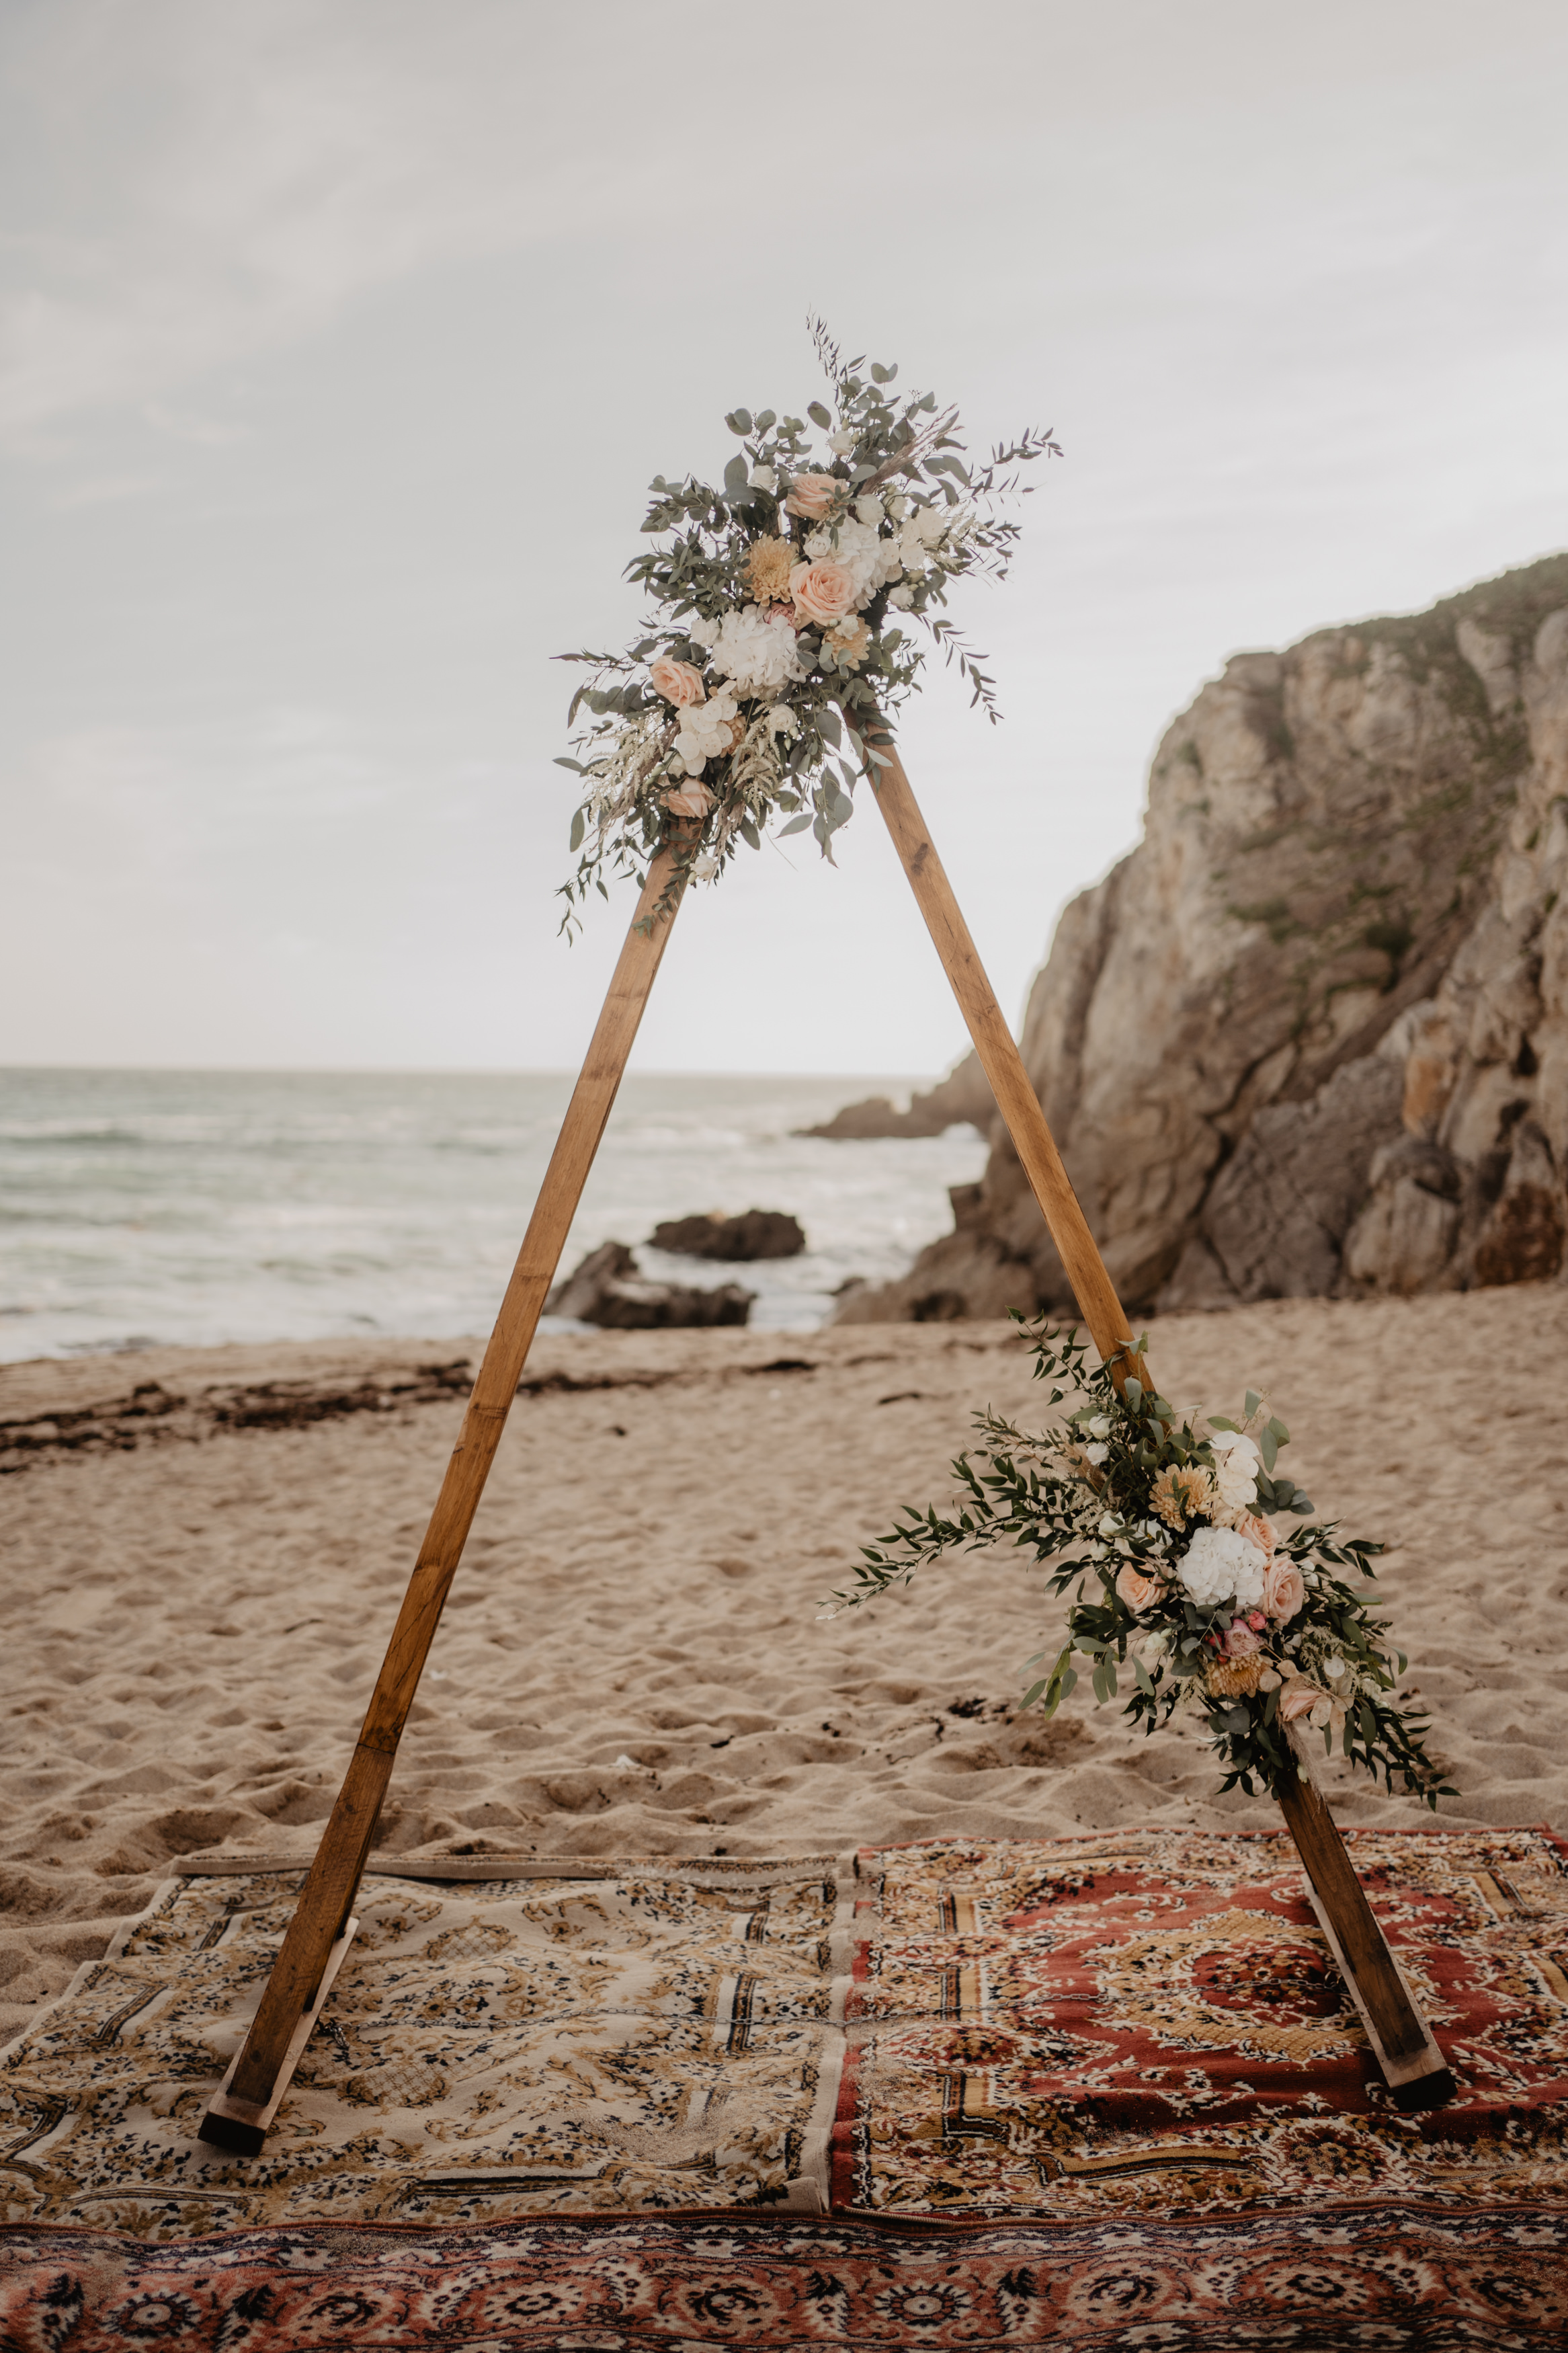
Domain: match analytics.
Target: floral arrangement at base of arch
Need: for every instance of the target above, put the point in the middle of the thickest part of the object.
(786, 606)
(1185, 1577)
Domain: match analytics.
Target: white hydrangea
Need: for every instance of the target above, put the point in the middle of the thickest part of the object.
(704, 732)
(867, 557)
(1220, 1566)
(753, 649)
(1236, 1465)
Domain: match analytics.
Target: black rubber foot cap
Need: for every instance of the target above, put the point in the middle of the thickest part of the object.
(227, 2132)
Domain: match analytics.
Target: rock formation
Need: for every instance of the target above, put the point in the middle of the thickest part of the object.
(607, 1288)
(963, 1094)
(1311, 1037)
(756, 1233)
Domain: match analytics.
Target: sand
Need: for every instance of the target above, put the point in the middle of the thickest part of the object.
(198, 1581)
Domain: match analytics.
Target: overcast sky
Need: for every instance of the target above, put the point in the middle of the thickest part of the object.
(342, 339)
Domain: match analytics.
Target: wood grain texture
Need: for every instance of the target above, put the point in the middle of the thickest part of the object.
(327, 1897)
(1370, 1964)
(1004, 1066)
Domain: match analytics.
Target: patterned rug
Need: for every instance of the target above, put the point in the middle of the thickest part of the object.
(660, 2039)
(1110, 2027)
(1148, 2023)
(1391, 2280)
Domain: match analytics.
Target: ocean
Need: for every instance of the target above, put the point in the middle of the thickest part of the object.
(142, 1208)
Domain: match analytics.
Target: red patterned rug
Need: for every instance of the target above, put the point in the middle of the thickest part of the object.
(1384, 2279)
(1149, 2022)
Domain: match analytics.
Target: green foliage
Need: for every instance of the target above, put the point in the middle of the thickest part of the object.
(1107, 1506)
(799, 747)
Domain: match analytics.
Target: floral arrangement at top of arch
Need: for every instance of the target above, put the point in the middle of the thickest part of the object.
(786, 603)
(1181, 1576)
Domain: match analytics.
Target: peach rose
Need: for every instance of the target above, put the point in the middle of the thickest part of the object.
(1300, 1700)
(823, 591)
(1257, 1531)
(693, 799)
(1135, 1590)
(811, 495)
(677, 681)
(1241, 1642)
(1284, 1588)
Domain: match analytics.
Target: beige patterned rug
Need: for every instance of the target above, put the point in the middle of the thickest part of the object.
(666, 2038)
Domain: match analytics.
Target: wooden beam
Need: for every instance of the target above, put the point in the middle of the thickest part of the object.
(272, 2049)
(1004, 1066)
(1415, 2070)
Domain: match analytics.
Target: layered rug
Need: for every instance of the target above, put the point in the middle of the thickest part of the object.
(1105, 2092)
(1389, 2280)
(660, 2038)
(1149, 2022)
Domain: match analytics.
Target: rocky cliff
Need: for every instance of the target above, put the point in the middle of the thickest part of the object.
(1311, 1036)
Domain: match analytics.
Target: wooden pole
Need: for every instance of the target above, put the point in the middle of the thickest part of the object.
(238, 2116)
(1415, 2068)
(1004, 1067)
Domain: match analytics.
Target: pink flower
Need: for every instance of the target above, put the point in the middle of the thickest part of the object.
(1241, 1642)
(811, 495)
(823, 591)
(693, 799)
(1135, 1590)
(1256, 1621)
(1300, 1700)
(677, 681)
(1284, 1588)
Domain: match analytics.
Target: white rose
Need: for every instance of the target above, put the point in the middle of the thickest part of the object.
(904, 596)
(782, 721)
(869, 507)
(702, 632)
(1096, 1452)
(763, 478)
(706, 867)
(843, 441)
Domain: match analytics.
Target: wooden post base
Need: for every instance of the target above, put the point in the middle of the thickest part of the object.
(242, 2126)
(1414, 2068)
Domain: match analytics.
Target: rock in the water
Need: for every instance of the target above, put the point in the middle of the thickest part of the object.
(964, 1094)
(1311, 1036)
(606, 1289)
(757, 1233)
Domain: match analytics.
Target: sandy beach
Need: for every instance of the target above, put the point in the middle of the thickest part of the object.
(204, 1552)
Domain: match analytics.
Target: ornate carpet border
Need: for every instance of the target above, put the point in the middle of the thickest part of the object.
(1397, 2278)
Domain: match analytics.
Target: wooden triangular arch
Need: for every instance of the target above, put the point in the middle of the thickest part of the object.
(320, 1932)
